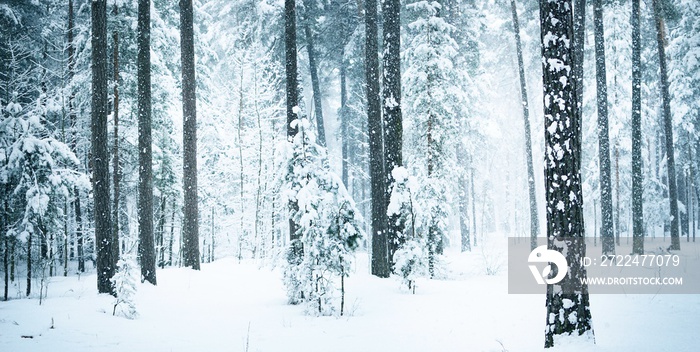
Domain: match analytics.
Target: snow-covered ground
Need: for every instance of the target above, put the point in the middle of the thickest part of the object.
(231, 306)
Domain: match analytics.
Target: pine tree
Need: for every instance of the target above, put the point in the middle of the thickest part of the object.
(606, 208)
(189, 112)
(637, 177)
(534, 222)
(115, 147)
(380, 250)
(391, 105)
(569, 298)
(685, 90)
(668, 126)
(309, 25)
(106, 262)
(147, 255)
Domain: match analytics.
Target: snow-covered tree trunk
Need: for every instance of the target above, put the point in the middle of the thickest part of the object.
(567, 301)
(606, 207)
(391, 105)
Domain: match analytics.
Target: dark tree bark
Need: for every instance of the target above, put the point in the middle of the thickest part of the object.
(73, 117)
(607, 236)
(6, 256)
(115, 147)
(391, 95)
(189, 111)
(147, 253)
(668, 126)
(290, 43)
(562, 123)
(106, 262)
(534, 221)
(380, 254)
(313, 68)
(3, 227)
(29, 263)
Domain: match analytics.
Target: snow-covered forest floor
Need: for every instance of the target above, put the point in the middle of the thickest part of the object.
(232, 306)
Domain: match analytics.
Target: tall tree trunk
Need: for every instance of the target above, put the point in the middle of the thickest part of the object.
(115, 147)
(463, 200)
(562, 123)
(240, 159)
(432, 231)
(473, 198)
(6, 257)
(380, 254)
(172, 238)
(258, 180)
(65, 239)
(292, 96)
(682, 185)
(213, 242)
(29, 263)
(147, 255)
(343, 114)
(534, 221)
(73, 117)
(689, 204)
(160, 253)
(313, 68)
(43, 241)
(607, 236)
(668, 127)
(391, 99)
(106, 262)
(189, 111)
(637, 176)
